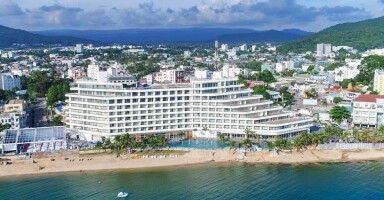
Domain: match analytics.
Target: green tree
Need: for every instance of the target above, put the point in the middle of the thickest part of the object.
(4, 126)
(249, 133)
(232, 144)
(339, 113)
(310, 69)
(261, 90)
(337, 100)
(56, 121)
(221, 138)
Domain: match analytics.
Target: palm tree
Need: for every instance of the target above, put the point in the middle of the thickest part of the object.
(125, 140)
(298, 143)
(355, 134)
(248, 132)
(107, 143)
(181, 134)
(205, 128)
(221, 137)
(162, 141)
(365, 136)
(270, 145)
(117, 141)
(232, 144)
(306, 138)
(246, 143)
(345, 136)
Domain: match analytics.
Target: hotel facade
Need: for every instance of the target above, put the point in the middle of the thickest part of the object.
(204, 106)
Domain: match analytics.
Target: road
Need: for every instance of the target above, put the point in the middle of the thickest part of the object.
(38, 114)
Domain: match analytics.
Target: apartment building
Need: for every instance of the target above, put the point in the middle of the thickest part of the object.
(9, 81)
(14, 114)
(324, 50)
(368, 110)
(378, 84)
(217, 104)
(170, 76)
(233, 70)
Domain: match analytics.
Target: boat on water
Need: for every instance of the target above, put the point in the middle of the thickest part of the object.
(122, 194)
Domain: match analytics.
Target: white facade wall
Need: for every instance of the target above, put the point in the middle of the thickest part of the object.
(16, 120)
(9, 81)
(93, 71)
(221, 105)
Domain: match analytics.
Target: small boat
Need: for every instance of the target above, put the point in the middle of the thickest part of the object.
(122, 194)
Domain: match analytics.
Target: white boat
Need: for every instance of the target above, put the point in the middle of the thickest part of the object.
(122, 194)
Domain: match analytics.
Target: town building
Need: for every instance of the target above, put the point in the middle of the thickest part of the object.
(233, 70)
(368, 111)
(378, 84)
(9, 81)
(14, 114)
(204, 106)
(284, 66)
(79, 48)
(324, 50)
(170, 76)
(14, 105)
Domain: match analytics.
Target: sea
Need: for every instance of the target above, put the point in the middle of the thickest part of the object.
(232, 181)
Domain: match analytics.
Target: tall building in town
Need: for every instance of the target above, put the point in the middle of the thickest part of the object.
(79, 48)
(224, 47)
(9, 81)
(378, 84)
(205, 106)
(324, 50)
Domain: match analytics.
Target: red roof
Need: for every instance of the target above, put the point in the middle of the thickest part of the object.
(368, 98)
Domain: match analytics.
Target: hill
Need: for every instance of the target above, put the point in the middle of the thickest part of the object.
(149, 36)
(260, 37)
(181, 35)
(11, 37)
(361, 35)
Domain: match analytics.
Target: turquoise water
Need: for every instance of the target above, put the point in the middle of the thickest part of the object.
(351, 181)
(199, 144)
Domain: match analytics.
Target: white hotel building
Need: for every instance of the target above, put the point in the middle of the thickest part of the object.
(99, 109)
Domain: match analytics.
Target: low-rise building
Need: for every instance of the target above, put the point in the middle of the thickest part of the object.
(368, 110)
(14, 105)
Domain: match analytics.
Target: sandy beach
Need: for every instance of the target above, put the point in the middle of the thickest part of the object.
(83, 163)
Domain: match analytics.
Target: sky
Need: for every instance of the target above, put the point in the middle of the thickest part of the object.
(309, 15)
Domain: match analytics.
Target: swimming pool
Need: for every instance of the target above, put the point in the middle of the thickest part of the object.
(199, 144)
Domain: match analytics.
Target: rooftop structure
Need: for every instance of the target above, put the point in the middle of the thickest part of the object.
(34, 140)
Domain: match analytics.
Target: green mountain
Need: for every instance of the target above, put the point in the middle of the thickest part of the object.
(14, 37)
(361, 35)
(260, 37)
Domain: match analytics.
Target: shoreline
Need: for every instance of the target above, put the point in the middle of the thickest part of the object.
(109, 163)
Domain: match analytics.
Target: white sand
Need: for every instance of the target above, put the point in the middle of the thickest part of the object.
(111, 162)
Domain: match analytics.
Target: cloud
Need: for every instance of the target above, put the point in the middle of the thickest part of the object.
(238, 14)
(257, 14)
(340, 13)
(8, 8)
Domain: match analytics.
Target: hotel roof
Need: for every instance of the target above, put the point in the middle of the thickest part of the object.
(368, 98)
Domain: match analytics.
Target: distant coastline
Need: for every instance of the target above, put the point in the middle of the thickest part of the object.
(109, 163)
